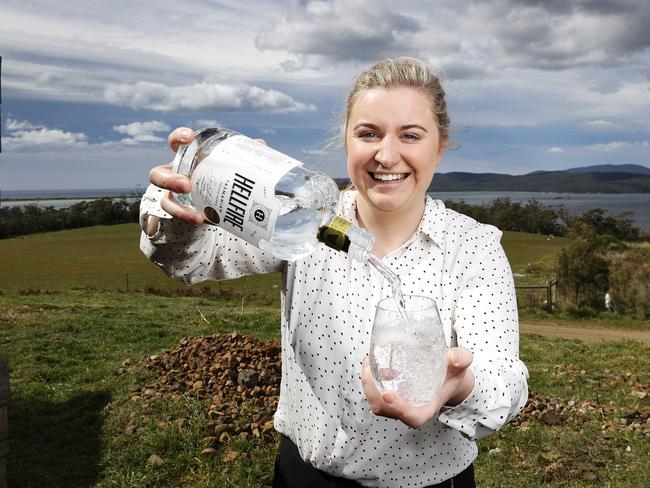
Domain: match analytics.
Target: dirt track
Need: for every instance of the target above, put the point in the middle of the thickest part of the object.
(586, 334)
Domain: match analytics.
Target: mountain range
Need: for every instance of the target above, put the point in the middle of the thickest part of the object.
(606, 178)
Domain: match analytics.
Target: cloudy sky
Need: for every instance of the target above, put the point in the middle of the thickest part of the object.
(91, 88)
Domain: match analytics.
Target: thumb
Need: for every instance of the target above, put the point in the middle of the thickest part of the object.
(459, 358)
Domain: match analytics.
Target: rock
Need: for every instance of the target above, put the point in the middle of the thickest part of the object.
(209, 452)
(248, 378)
(218, 429)
(155, 460)
(551, 418)
(230, 456)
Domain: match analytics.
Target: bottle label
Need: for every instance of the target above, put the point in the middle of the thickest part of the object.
(234, 186)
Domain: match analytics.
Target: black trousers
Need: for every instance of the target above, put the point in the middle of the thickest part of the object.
(292, 472)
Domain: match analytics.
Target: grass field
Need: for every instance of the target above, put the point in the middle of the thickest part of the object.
(68, 326)
(73, 423)
(101, 257)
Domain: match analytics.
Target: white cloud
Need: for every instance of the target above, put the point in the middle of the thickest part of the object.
(202, 96)
(142, 132)
(555, 150)
(268, 131)
(27, 137)
(619, 146)
(600, 124)
(136, 129)
(13, 124)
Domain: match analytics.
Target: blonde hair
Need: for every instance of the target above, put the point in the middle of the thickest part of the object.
(403, 72)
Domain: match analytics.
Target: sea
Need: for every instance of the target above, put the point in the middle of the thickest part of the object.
(65, 198)
(575, 203)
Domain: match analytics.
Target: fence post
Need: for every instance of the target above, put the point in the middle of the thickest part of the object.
(4, 419)
(549, 297)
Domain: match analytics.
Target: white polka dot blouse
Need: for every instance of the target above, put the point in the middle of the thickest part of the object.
(328, 307)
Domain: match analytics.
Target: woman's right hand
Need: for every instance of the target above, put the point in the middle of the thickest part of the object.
(163, 177)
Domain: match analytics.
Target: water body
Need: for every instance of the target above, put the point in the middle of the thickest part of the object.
(65, 198)
(575, 203)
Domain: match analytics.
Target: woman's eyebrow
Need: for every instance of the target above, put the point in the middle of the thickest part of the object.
(413, 126)
(375, 127)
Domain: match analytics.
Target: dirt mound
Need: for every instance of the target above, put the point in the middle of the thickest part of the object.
(238, 377)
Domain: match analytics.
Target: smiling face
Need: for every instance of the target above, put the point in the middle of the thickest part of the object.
(393, 149)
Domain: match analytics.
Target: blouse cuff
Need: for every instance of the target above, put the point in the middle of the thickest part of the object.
(474, 417)
(169, 229)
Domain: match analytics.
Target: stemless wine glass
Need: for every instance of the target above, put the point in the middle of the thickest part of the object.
(408, 356)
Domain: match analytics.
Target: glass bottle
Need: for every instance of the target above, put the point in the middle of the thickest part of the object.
(265, 197)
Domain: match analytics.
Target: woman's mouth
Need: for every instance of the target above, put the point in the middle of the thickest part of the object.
(388, 177)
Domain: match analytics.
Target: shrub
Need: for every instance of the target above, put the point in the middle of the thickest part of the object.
(629, 278)
(582, 270)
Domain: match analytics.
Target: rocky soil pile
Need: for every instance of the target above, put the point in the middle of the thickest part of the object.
(238, 378)
(555, 411)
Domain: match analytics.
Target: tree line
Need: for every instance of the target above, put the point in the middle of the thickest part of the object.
(503, 213)
(28, 219)
(535, 218)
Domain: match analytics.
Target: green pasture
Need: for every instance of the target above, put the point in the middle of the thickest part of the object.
(97, 258)
(73, 422)
(107, 257)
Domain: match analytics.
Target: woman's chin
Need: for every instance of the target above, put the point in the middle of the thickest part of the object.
(386, 203)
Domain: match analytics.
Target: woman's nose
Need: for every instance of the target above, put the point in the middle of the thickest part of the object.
(388, 153)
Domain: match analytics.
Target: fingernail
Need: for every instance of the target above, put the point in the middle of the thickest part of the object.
(184, 135)
(389, 398)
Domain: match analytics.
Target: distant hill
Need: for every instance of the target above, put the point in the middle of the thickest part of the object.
(612, 168)
(627, 178)
(545, 181)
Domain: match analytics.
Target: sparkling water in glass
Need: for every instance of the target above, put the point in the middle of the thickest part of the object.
(408, 357)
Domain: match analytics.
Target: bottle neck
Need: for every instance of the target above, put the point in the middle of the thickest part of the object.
(340, 235)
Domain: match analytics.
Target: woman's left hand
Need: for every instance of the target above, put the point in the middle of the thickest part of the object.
(457, 386)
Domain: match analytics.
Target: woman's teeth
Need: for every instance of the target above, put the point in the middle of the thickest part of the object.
(389, 177)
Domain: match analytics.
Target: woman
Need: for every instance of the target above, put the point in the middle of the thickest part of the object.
(338, 429)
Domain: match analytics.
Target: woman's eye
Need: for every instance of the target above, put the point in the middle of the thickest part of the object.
(368, 135)
(410, 137)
